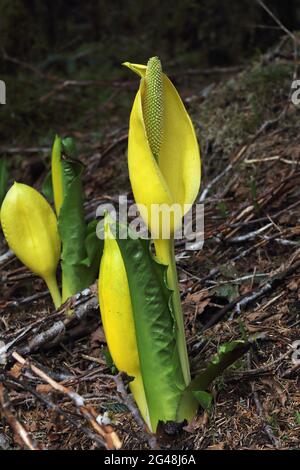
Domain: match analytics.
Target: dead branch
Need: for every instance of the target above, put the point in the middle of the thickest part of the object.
(266, 427)
(50, 331)
(238, 304)
(128, 401)
(7, 256)
(250, 235)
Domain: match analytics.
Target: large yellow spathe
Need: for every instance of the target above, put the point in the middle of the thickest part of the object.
(174, 177)
(117, 318)
(30, 228)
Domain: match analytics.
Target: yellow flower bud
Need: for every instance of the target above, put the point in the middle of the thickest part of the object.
(159, 124)
(117, 318)
(30, 228)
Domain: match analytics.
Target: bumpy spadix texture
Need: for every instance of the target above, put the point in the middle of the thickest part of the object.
(30, 228)
(117, 318)
(174, 176)
(153, 104)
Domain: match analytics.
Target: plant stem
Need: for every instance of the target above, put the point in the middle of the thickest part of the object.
(66, 291)
(165, 254)
(54, 290)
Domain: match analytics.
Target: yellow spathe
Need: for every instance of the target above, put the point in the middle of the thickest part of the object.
(30, 228)
(117, 318)
(174, 178)
(56, 174)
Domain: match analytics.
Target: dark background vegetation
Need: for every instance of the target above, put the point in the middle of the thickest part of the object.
(43, 42)
(71, 34)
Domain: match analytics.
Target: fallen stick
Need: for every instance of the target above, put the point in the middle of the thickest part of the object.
(128, 401)
(266, 427)
(46, 336)
(244, 300)
(7, 256)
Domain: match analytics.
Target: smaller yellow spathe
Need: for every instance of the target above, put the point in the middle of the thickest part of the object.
(30, 228)
(56, 173)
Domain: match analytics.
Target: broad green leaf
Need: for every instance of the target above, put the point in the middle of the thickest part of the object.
(3, 179)
(47, 187)
(69, 147)
(228, 353)
(94, 249)
(155, 330)
(81, 249)
(72, 228)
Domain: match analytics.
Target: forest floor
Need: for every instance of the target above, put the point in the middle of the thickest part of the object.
(244, 281)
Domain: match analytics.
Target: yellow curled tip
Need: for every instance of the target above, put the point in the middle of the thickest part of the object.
(108, 221)
(136, 68)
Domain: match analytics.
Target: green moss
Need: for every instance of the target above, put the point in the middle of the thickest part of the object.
(236, 109)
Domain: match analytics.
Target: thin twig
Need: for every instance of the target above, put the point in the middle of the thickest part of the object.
(267, 428)
(244, 300)
(151, 439)
(277, 20)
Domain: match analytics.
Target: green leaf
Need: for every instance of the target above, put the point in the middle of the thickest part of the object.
(94, 249)
(298, 417)
(47, 187)
(155, 330)
(204, 398)
(69, 147)
(108, 360)
(72, 228)
(81, 249)
(3, 179)
(228, 353)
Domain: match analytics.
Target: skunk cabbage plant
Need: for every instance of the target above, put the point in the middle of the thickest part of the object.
(35, 234)
(117, 317)
(30, 228)
(164, 170)
(138, 292)
(140, 329)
